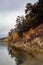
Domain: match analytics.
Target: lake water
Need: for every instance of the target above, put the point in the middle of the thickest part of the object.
(5, 58)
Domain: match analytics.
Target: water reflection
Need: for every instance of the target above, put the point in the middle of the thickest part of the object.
(23, 58)
(19, 57)
(5, 59)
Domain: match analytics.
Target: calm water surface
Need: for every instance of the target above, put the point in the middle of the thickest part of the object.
(5, 58)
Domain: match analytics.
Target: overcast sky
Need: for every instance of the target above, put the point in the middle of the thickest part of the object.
(9, 10)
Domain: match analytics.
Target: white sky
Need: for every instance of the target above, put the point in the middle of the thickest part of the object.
(9, 10)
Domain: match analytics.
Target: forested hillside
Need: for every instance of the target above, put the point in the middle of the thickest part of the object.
(28, 32)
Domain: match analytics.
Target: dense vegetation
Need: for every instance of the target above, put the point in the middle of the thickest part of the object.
(33, 17)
